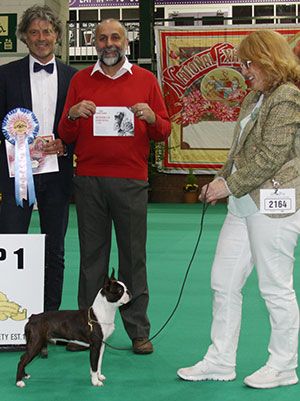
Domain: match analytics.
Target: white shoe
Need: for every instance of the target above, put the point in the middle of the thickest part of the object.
(205, 370)
(267, 377)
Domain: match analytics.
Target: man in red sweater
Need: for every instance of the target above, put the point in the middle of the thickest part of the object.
(112, 110)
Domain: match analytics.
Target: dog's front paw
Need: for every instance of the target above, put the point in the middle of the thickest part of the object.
(101, 377)
(96, 381)
(20, 383)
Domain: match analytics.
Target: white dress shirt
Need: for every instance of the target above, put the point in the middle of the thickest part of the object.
(44, 89)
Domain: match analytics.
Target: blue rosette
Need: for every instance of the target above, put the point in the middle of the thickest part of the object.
(20, 126)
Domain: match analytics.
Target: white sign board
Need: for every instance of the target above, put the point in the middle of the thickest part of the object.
(22, 264)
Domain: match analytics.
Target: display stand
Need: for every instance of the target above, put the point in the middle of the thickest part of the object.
(22, 265)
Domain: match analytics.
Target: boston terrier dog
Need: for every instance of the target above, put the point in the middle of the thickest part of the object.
(89, 326)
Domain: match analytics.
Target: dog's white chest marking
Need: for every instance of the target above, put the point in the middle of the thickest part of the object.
(107, 328)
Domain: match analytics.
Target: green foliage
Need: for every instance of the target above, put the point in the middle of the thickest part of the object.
(190, 182)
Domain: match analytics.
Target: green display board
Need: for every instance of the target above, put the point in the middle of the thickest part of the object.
(8, 40)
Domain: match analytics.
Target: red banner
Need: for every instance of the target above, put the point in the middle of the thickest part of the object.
(203, 88)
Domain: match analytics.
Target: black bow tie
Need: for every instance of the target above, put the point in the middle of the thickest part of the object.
(48, 67)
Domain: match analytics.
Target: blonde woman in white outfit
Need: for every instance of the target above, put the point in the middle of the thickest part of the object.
(264, 156)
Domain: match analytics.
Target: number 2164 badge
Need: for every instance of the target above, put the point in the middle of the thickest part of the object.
(278, 201)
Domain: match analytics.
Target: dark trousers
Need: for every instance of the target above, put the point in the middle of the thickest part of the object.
(53, 208)
(102, 202)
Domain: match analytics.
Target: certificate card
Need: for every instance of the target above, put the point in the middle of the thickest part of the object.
(40, 161)
(113, 121)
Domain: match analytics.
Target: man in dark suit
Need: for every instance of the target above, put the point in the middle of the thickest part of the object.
(25, 83)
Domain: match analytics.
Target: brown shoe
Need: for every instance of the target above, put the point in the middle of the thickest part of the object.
(76, 347)
(142, 345)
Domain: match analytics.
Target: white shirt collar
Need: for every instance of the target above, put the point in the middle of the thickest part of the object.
(126, 67)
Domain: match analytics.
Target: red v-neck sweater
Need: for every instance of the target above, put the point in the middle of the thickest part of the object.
(120, 156)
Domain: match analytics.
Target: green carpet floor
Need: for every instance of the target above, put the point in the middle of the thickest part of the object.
(172, 234)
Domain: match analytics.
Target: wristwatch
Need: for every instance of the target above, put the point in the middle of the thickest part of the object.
(65, 150)
(71, 118)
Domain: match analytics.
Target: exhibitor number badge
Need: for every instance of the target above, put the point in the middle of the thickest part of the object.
(279, 201)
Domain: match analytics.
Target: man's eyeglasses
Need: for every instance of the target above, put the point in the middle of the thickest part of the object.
(245, 64)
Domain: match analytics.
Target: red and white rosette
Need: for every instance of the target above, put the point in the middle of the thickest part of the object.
(20, 126)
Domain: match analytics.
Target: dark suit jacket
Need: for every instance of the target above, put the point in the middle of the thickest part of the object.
(15, 92)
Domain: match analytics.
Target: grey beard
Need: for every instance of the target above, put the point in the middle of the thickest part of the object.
(110, 61)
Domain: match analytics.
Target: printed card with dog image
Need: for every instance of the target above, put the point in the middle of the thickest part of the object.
(113, 121)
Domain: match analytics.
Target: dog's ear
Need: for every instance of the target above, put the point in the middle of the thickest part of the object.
(106, 280)
(106, 284)
(112, 276)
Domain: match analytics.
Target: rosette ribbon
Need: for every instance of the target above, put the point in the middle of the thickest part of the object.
(20, 126)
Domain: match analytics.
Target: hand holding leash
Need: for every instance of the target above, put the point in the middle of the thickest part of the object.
(213, 191)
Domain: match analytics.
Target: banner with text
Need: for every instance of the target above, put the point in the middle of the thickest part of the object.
(158, 3)
(203, 87)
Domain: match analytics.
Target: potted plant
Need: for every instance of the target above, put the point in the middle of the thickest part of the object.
(190, 188)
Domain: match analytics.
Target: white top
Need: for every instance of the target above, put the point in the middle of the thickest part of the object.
(244, 206)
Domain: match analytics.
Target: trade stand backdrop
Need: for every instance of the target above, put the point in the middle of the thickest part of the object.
(203, 87)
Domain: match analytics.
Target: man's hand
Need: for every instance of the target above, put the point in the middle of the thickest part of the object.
(84, 109)
(143, 112)
(55, 146)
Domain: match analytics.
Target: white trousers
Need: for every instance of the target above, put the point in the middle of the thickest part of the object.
(268, 244)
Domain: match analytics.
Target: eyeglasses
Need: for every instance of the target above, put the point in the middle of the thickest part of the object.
(245, 64)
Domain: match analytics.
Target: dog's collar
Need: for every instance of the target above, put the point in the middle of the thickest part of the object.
(91, 321)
